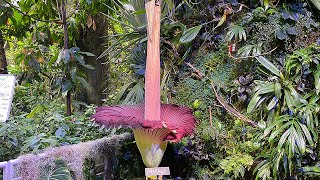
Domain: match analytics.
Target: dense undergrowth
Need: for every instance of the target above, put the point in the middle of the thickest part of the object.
(38, 123)
(271, 76)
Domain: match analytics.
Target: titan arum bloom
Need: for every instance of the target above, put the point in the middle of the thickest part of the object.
(153, 123)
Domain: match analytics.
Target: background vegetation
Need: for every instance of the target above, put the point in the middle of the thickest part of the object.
(262, 58)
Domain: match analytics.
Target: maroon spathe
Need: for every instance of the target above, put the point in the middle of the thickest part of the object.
(179, 120)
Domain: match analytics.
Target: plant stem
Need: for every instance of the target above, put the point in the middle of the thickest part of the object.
(152, 75)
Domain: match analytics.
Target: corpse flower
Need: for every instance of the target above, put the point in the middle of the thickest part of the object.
(153, 123)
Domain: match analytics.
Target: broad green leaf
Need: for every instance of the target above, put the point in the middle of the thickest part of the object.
(283, 139)
(189, 34)
(300, 141)
(242, 171)
(277, 90)
(289, 100)
(276, 122)
(314, 99)
(231, 34)
(253, 102)
(52, 141)
(248, 50)
(266, 4)
(279, 130)
(291, 142)
(272, 103)
(267, 88)
(300, 144)
(260, 165)
(61, 132)
(29, 142)
(36, 110)
(315, 170)
(261, 101)
(80, 59)
(303, 101)
(66, 86)
(267, 64)
(264, 169)
(262, 124)
(306, 133)
(294, 94)
(276, 164)
(316, 3)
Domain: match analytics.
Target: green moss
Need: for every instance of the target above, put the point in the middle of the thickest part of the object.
(236, 163)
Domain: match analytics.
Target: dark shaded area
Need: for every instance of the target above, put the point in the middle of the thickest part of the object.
(92, 40)
(3, 60)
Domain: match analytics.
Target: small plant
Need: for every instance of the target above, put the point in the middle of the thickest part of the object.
(245, 86)
(236, 33)
(236, 164)
(248, 50)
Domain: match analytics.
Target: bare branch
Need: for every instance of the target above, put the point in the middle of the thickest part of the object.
(224, 104)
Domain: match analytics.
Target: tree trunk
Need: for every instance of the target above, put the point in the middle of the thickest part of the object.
(3, 59)
(92, 40)
(65, 46)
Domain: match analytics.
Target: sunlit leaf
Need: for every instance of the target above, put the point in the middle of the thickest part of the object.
(316, 3)
(189, 34)
(279, 130)
(267, 64)
(315, 170)
(253, 102)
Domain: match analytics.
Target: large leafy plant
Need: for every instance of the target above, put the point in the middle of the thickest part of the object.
(287, 124)
(303, 66)
(278, 91)
(236, 33)
(68, 60)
